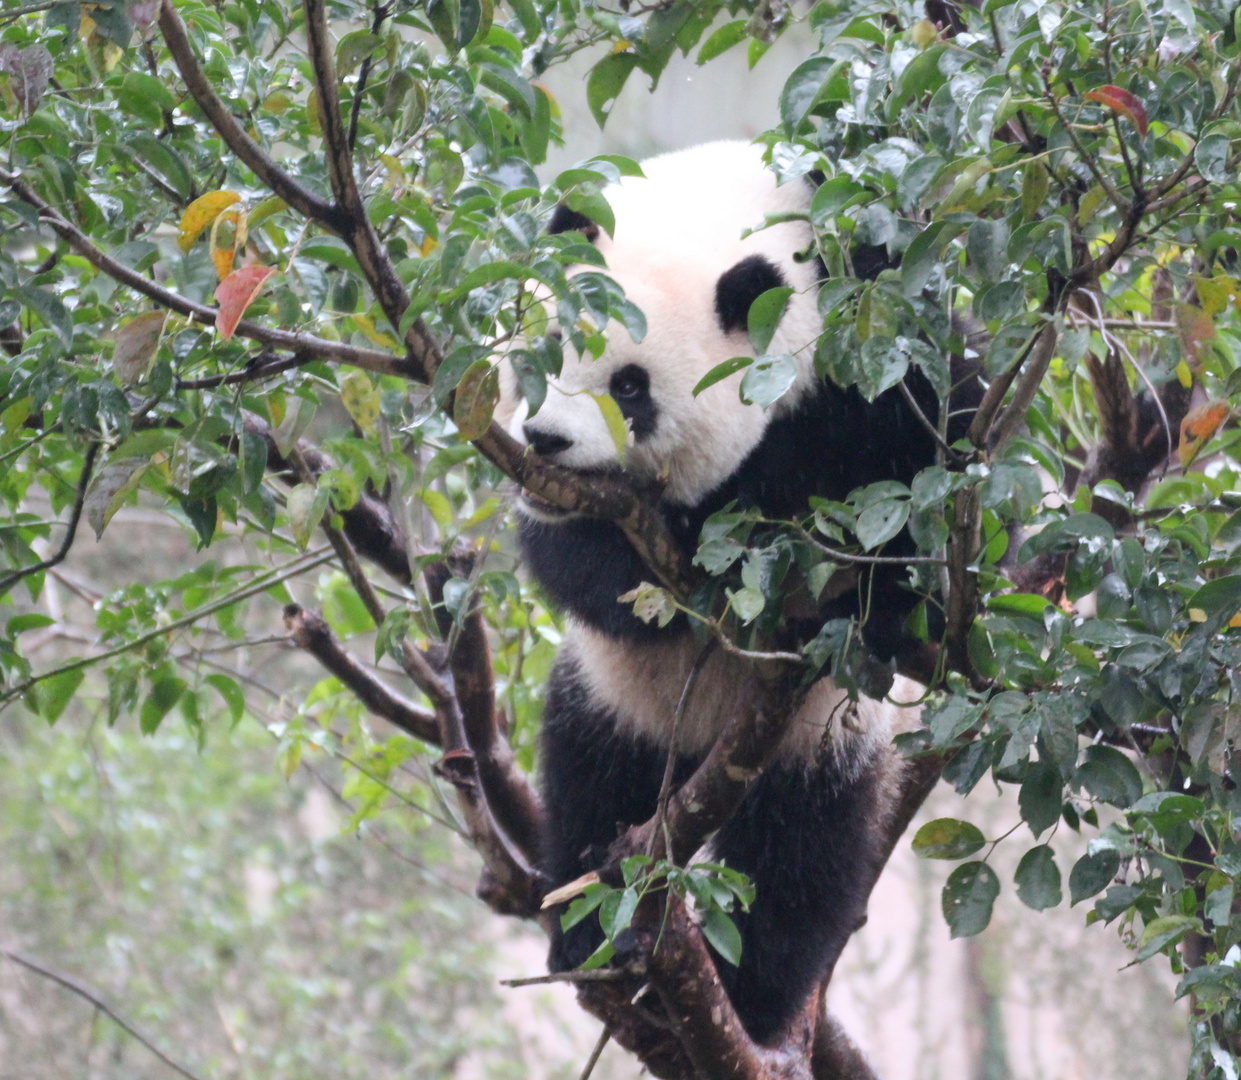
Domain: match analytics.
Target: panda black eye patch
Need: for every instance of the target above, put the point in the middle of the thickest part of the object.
(630, 387)
(740, 286)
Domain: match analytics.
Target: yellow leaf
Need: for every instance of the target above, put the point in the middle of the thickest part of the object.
(615, 419)
(313, 124)
(427, 246)
(367, 325)
(1214, 293)
(1184, 376)
(396, 171)
(437, 503)
(361, 400)
(201, 213)
(1235, 622)
(1196, 614)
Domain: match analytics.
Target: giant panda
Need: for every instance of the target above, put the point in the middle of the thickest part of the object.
(809, 831)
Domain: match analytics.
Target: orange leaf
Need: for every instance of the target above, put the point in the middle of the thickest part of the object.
(1198, 427)
(1122, 102)
(235, 293)
(1194, 327)
(201, 213)
(223, 255)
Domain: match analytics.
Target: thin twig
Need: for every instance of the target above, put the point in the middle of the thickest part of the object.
(871, 560)
(71, 526)
(99, 1003)
(604, 1036)
(921, 417)
(595, 975)
(665, 786)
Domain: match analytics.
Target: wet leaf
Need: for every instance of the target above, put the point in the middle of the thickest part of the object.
(968, 898)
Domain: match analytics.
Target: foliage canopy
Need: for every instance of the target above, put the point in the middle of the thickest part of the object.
(261, 263)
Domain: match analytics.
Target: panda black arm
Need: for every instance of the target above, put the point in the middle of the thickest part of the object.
(585, 564)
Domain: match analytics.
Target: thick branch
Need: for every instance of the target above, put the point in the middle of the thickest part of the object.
(310, 632)
(368, 523)
(709, 797)
(253, 155)
(514, 804)
(354, 226)
(369, 359)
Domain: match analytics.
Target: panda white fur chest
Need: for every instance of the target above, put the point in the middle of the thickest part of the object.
(808, 832)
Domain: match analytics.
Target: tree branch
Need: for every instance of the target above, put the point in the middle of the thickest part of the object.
(368, 359)
(221, 118)
(311, 633)
(71, 526)
(514, 803)
(86, 994)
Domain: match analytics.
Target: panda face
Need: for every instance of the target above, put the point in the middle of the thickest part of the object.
(679, 255)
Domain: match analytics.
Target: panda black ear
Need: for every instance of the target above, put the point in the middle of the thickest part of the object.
(566, 220)
(739, 287)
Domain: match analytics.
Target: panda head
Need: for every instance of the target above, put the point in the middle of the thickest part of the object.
(678, 253)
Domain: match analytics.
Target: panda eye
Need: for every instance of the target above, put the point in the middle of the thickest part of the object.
(629, 384)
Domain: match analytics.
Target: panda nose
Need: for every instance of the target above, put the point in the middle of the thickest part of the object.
(545, 443)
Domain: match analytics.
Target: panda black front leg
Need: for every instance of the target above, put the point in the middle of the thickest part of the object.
(807, 836)
(597, 781)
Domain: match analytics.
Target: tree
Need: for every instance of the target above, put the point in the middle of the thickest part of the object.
(1053, 191)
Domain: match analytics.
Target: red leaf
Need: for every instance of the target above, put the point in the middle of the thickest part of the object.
(1122, 102)
(235, 293)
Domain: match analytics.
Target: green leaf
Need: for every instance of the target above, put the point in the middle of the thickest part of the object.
(52, 694)
(1092, 873)
(52, 313)
(1109, 775)
(1038, 879)
(721, 372)
(881, 521)
(801, 91)
(723, 39)
(765, 315)
(1165, 931)
(234, 699)
(768, 380)
(968, 898)
(605, 82)
(720, 930)
(510, 86)
(616, 911)
(1220, 596)
(1041, 797)
(163, 696)
(947, 838)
